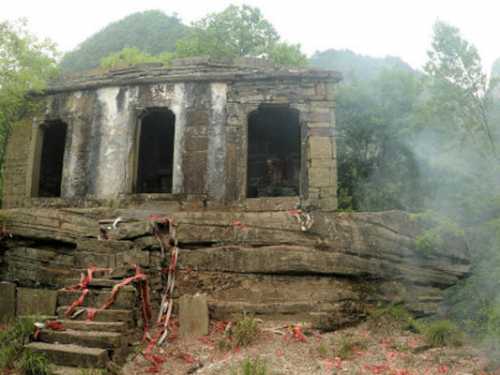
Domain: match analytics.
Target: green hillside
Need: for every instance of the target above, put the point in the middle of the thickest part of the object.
(151, 31)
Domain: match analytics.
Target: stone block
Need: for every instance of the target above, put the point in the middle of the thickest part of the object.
(36, 302)
(320, 147)
(7, 302)
(193, 315)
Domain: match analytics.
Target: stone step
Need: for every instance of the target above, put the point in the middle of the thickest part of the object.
(117, 273)
(83, 325)
(126, 298)
(102, 283)
(65, 370)
(110, 315)
(92, 339)
(71, 355)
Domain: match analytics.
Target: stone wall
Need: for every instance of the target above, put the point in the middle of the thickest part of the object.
(211, 108)
(339, 267)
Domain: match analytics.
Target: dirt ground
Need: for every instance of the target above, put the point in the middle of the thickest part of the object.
(364, 349)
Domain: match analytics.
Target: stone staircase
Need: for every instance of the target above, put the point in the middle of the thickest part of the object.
(90, 344)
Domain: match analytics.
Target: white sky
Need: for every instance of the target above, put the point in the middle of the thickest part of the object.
(371, 27)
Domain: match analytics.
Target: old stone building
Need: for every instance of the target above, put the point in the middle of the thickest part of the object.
(231, 166)
(213, 131)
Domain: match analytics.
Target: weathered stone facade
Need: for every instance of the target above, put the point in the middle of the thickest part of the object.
(211, 102)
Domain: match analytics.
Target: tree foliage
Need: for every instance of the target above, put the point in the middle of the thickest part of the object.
(459, 94)
(151, 32)
(376, 165)
(239, 31)
(26, 63)
(236, 31)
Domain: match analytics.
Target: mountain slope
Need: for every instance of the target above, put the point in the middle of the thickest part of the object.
(151, 31)
(355, 66)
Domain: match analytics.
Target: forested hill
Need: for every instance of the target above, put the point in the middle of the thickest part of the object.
(151, 31)
(354, 66)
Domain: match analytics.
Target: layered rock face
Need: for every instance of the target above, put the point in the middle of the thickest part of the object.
(258, 262)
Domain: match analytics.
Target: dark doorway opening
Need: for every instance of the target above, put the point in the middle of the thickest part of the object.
(52, 157)
(156, 152)
(273, 168)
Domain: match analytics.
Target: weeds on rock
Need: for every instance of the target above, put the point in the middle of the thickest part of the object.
(442, 333)
(251, 367)
(34, 364)
(12, 341)
(393, 315)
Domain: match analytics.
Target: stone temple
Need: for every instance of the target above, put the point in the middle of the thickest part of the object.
(214, 132)
(230, 163)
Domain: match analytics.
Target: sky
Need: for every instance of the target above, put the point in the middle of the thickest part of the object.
(370, 27)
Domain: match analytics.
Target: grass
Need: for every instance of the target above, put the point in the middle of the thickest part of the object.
(12, 340)
(92, 371)
(251, 367)
(393, 315)
(34, 364)
(347, 346)
(245, 331)
(440, 333)
(323, 350)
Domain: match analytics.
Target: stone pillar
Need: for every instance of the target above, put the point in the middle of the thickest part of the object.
(321, 152)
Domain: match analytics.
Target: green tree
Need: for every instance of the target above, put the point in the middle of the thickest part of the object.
(26, 63)
(460, 97)
(238, 31)
(376, 164)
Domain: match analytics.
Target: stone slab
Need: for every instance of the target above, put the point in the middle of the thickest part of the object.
(193, 315)
(36, 301)
(7, 302)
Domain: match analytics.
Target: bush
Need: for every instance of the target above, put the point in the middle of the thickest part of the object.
(442, 333)
(245, 331)
(251, 367)
(34, 364)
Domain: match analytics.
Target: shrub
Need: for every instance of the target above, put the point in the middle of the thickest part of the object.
(245, 331)
(251, 367)
(34, 364)
(442, 333)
